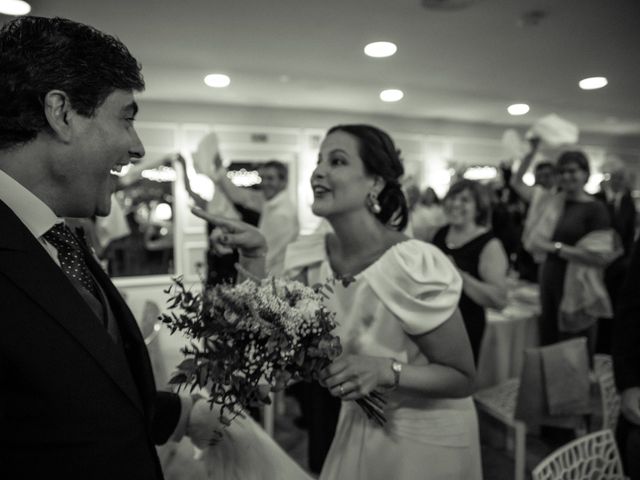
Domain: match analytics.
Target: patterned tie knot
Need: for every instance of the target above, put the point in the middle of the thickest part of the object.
(70, 255)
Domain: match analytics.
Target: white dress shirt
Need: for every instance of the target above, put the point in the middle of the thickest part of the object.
(279, 225)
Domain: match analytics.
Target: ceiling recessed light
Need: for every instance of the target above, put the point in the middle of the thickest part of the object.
(14, 7)
(391, 95)
(217, 80)
(593, 83)
(380, 49)
(518, 109)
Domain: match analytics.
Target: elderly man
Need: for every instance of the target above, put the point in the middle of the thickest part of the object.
(78, 398)
(616, 195)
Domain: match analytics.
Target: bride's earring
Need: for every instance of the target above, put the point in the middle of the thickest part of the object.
(373, 204)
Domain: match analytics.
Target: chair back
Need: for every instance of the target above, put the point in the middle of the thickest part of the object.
(554, 385)
(609, 397)
(602, 363)
(593, 456)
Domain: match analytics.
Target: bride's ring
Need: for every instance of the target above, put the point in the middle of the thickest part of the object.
(341, 387)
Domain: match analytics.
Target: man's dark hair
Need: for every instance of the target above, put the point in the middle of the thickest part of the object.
(281, 168)
(39, 54)
(543, 165)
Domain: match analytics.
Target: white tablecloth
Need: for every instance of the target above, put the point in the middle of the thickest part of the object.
(508, 333)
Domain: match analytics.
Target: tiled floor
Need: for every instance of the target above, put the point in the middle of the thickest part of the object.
(179, 464)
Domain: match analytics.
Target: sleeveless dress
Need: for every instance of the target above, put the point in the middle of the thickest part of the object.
(467, 258)
(410, 290)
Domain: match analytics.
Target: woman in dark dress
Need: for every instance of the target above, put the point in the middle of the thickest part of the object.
(476, 252)
(582, 214)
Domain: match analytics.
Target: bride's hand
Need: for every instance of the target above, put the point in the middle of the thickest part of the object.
(234, 234)
(351, 377)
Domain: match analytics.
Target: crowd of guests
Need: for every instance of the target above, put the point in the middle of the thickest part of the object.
(552, 233)
(416, 275)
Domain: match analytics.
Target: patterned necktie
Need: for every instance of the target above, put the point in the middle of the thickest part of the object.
(71, 256)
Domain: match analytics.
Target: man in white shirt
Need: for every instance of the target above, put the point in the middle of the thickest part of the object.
(278, 215)
(78, 397)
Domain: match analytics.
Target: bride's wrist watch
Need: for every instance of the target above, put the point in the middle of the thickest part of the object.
(557, 247)
(396, 368)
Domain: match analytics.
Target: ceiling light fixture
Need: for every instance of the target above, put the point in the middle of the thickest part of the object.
(380, 49)
(217, 80)
(391, 95)
(593, 83)
(14, 7)
(518, 109)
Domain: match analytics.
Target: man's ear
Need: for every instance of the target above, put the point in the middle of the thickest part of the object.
(57, 109)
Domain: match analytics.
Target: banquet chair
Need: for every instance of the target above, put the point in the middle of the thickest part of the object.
(523, 403)
(602, 363)
(609, 410)
(593, 456)
(499, 402)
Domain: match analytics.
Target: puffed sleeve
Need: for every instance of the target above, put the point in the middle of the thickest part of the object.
(418, 284)
(306, 251)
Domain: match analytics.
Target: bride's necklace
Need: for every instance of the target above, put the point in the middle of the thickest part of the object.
(356, 265)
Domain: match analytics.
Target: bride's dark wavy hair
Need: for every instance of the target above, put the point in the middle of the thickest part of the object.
(381, 158)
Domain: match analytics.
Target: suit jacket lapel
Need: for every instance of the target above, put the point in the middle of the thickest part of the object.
(24, 262)
(140, 363)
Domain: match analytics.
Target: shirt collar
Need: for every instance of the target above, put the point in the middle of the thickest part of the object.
(31, 211)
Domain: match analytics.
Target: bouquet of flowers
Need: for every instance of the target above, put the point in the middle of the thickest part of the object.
(249, 339)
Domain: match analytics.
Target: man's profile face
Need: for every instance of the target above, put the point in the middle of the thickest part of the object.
(102, 143)
(271, 183)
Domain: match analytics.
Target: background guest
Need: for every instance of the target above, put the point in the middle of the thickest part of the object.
(478, 254)
(536, 197)
(616, 195)
(424, 218)
(278, 215)
(576, 214)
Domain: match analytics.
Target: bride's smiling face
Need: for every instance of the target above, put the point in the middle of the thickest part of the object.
(340, 183)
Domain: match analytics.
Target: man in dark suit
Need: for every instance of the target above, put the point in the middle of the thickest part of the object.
(77, 394)
(616, 195)
(626, 363)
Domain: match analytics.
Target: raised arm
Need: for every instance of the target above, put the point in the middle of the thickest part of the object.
(517, 182)
(247, 198)
(198, 200)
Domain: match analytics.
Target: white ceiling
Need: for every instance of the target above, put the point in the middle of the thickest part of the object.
(465, 64)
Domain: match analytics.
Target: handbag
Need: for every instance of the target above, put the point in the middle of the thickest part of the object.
(554, 385)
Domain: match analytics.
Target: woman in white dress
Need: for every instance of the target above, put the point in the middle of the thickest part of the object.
(401, 332)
